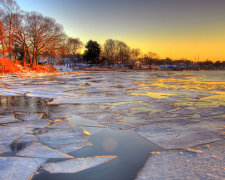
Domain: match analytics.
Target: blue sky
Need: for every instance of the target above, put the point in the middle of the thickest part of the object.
(174, 28)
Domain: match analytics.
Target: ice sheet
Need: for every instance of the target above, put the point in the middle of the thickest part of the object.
(38, 150)
(28, 117)
(61, 124)
(4, 148)
(79, 144)
(128, 106)
(68, 145)
(7, 119)
(57, 134)
(175, 136)
(209, 163)
(12, 168)
(26, 138)
(76, 165)
(215, 111)
(9, 134)
(181, 109)
(29, 124)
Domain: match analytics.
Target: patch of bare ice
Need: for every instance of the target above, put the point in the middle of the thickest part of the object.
(68, 145)
(4, 148)
(57, 134)
(171, 135)
(12, 168)
(202, 163)
(7, 119)
(38, 150)
(77, 164)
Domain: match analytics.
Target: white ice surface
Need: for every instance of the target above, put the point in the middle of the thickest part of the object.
(4, 148)
(209, 163)
(26, 138)
(13, 168)
(69, 144)
(41, 151)
(59, 134)
(28, 117)
(174, 136)
(76, 165)
(29, 124)
(7, 119)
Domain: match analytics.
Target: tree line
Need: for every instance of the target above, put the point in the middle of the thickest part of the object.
(27, 36)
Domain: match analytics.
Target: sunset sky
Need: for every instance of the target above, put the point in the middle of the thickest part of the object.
(171, 28)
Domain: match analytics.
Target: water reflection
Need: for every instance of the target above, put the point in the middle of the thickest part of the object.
(23, 103)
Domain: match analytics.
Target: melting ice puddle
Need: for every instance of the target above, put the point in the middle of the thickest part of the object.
(131, 149)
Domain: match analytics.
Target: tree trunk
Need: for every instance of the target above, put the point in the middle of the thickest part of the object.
(3, 48)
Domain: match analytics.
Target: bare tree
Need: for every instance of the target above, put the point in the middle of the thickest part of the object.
(2, 38)
(2, 32)
(116, 51)
(44, 34)
(152, 55)
(135, 53)
(109, 50)
(123, 52)
(11, 8)
(151, 58)
(20, 36)
(73, 46)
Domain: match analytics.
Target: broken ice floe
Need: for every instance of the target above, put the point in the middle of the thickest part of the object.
(179, 164)
(76, 165)
(50, 94)
(4, 148)
(12, 168)
(22, 142)
(27, 138)
(61, 124)
(127, 106)
(68, 145)
(9, 134)
(7, 119)
(28, 117)
(57, 134)
(174, 136)
(38, 150)
(29, 125)
(12, 92)
(215, 111)
(121, 126)
(67, 148)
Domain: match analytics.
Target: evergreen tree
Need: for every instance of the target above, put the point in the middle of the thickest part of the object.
(92, 53)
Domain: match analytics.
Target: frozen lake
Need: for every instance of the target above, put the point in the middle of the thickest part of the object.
(142, 125)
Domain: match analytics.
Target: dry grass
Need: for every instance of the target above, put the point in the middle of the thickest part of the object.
(10, 67)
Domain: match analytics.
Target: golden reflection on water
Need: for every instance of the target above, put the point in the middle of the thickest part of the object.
(209, 101)
(157, 95)
(210, 93)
